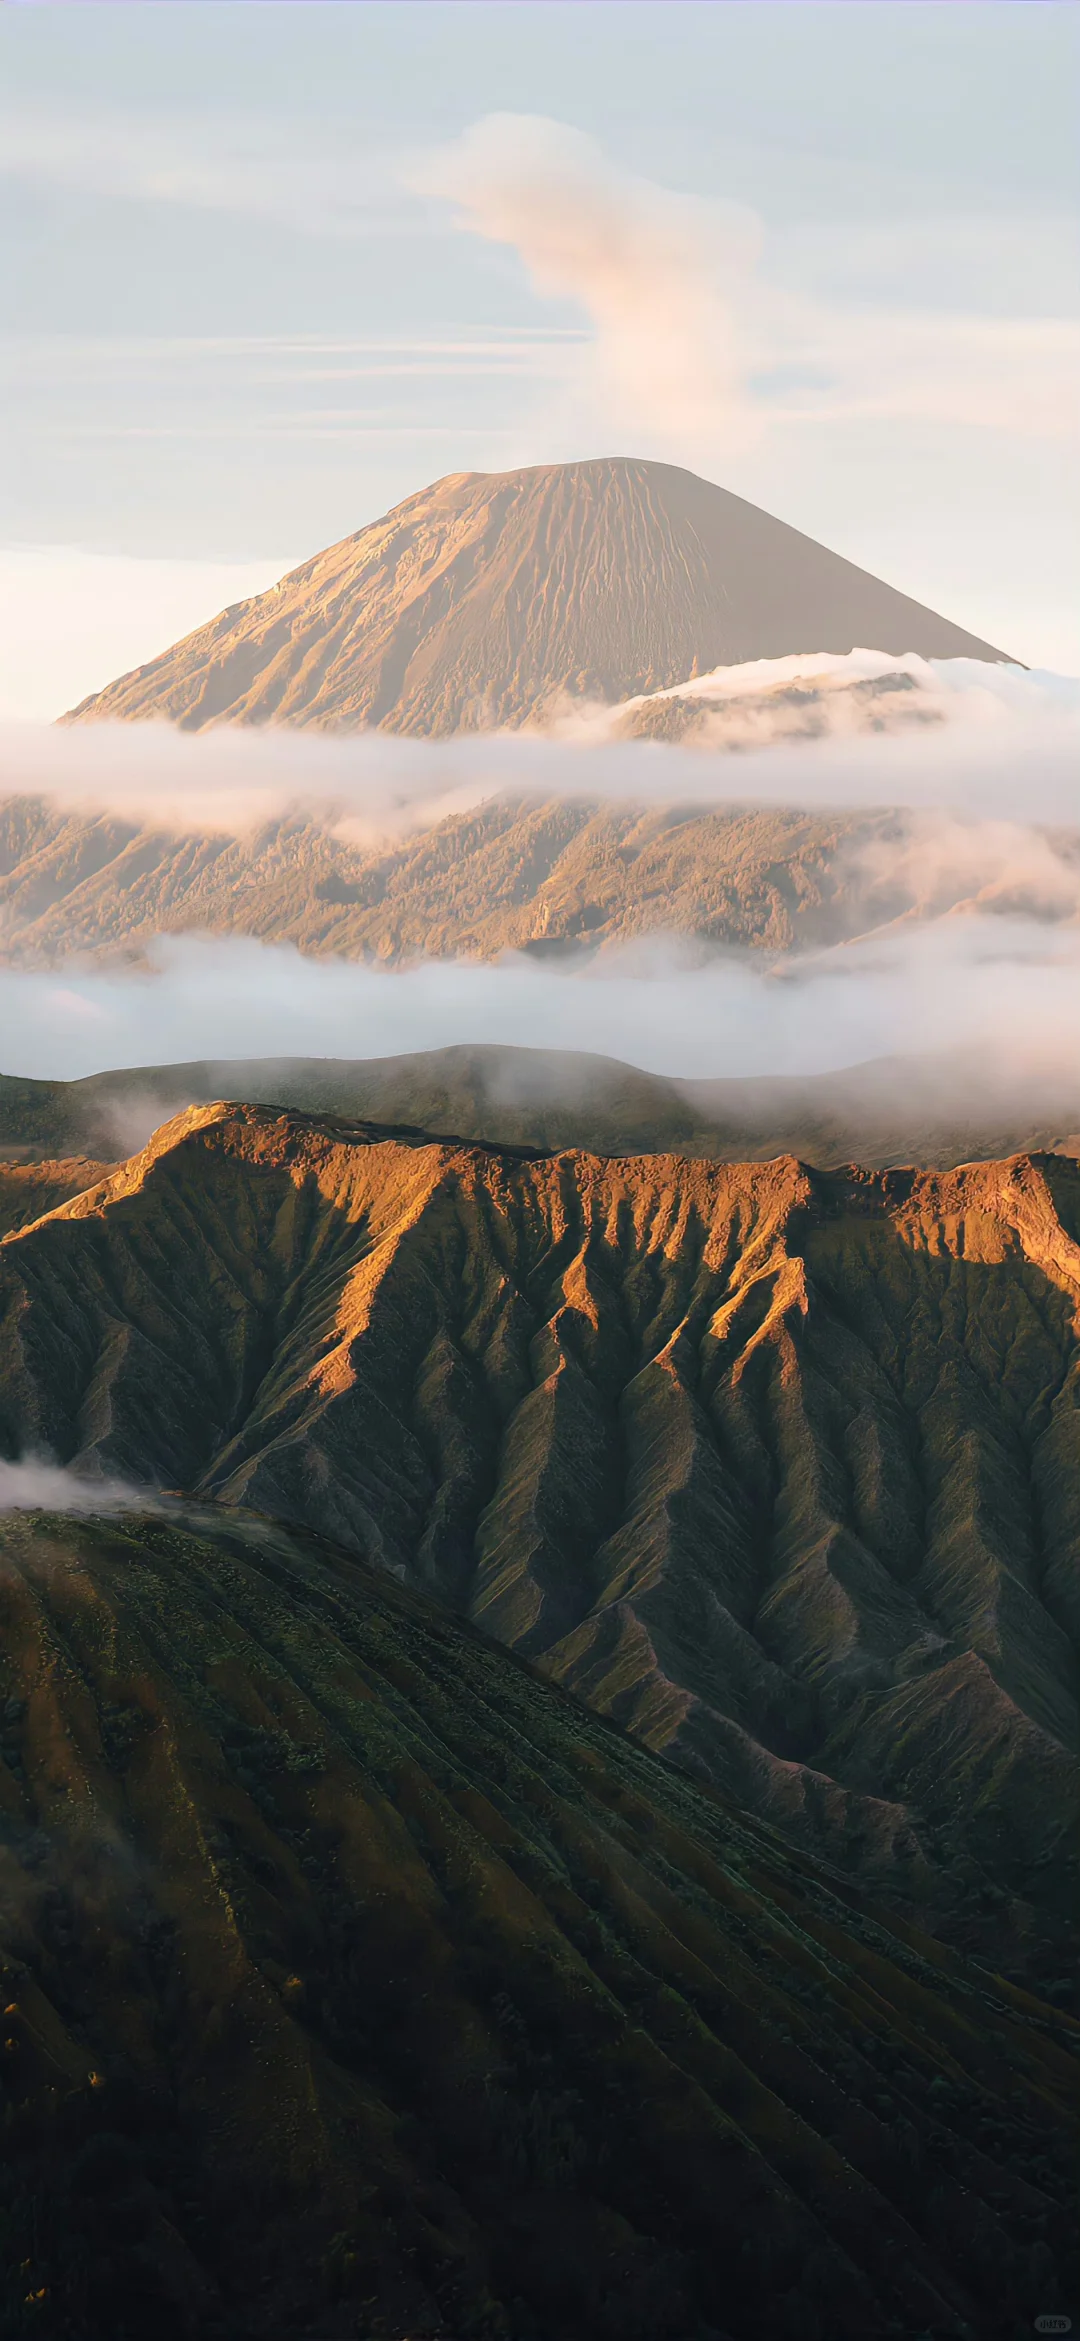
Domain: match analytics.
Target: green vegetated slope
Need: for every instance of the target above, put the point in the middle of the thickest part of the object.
(359, 1982)
(490, 598)
(777, 1468)
(892, 1111)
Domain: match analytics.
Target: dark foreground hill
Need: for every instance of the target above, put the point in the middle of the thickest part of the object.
(491, 598)
(892, 1111)
(777, 1468)
(359, 1983)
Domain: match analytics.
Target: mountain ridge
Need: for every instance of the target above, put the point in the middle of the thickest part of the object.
(934, 1112)
(730, 1449)
(491, 599)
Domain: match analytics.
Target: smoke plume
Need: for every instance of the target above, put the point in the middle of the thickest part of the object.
(659, 274)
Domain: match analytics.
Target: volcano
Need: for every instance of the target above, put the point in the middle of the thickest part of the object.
(494, 599)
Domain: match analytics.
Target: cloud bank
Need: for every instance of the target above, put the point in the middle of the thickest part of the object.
(1006, 987)
(1007, 748)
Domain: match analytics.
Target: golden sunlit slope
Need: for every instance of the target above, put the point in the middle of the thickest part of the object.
(544, 877)
(359, 1983)
(778, 1468)
(547, 877)
(491, 598)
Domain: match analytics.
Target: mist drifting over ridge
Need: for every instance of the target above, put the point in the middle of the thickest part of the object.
(982, 864)
(996, 741)
(35, 1484)
(1003, 989)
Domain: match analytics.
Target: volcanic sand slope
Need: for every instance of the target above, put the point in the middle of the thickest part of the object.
(492, 598)
(893, 1111)
(29, 1189)
(777, 1468)
(360, 1983)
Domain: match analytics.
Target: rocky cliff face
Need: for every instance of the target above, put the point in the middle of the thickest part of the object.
(777, 1468)
(492, 599)
(356, 1980)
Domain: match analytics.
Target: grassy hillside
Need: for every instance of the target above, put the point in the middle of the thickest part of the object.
(358, 1982)
(889, 1112)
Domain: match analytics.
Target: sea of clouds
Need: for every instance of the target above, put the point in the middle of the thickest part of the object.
(991, 794)
(1007, 747)
(1007, 988)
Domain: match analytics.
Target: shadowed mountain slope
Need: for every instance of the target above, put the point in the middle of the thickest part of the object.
(777, 1468)
(491, 598)
(359, 1982)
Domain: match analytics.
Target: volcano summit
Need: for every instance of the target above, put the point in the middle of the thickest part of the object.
(492, 599)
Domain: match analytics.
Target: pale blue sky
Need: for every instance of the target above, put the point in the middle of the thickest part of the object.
(234, 331)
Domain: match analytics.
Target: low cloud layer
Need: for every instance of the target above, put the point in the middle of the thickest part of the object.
(1006, 989)
(991, 827)
(1007, 747)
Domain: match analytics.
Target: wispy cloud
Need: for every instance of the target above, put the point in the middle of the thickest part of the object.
(260, 361)
(703, 320)
(1019, 375)
(210, 161)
